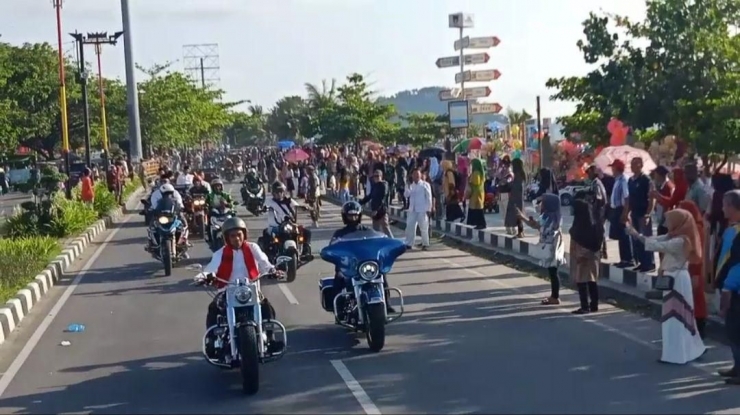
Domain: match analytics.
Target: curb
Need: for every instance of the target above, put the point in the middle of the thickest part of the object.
(625, 287)
(15, 309)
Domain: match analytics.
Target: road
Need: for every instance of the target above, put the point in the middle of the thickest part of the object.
(9, 201)
(474, 340)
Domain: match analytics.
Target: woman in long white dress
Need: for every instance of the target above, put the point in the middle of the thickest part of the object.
(681, 246)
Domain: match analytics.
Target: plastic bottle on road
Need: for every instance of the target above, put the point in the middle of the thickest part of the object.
(75, 328)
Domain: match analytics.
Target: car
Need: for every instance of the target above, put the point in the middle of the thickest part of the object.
(568, 193)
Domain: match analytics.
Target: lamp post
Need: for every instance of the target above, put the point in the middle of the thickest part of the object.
(98, 40)
(62, 91)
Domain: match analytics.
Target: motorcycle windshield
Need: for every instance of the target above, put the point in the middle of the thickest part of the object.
(350, 251)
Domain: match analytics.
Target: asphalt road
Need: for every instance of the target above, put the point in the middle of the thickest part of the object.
(9, 201)
(474, 340)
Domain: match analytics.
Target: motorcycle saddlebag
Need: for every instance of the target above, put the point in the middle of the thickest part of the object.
(326, 289)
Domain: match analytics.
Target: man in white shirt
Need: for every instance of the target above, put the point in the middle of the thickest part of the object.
(282, 206)
(238, 259)
(158, 194)
(186, 178)
(419, 194)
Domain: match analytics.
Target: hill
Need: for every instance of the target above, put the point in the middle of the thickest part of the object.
(427, 100)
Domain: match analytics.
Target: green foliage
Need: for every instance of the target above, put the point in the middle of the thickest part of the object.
(104, 201)
(23, 259)
(676, 70)
(422, 129)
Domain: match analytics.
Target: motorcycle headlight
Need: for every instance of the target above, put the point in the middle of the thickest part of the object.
(288, 228)
(368, 271)
(243, 295)
(199, 202)
(163, 220)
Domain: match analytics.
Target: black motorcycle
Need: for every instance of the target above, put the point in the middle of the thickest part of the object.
(254, 199)
(287, 245)
(218, 217)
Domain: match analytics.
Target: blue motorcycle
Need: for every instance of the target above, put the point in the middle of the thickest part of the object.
(168, 232)
(363, 258)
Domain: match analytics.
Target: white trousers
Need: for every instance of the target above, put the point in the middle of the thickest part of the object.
(414, 219)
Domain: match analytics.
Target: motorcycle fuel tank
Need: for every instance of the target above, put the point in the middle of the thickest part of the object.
(350, 251)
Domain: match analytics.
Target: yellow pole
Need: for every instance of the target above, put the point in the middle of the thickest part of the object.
(62, 81)
(98, 51)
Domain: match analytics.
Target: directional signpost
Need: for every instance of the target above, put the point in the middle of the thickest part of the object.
(478, 76)
(458, 96)
(477, 42)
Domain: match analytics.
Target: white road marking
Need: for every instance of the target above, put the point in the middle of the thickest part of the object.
(600, 324)
(354, 386)
(288, 294)
(19, 360)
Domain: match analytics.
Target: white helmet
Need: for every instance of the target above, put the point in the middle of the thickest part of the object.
(252, 170)
(167, 188)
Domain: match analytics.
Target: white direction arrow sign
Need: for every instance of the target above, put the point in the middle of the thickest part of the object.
(451, 61)
(493, 108)
(478, 76)
(470, 93)
(477, 42)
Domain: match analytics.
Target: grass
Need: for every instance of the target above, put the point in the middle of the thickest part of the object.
(22, 260)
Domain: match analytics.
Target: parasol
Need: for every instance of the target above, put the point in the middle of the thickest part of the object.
(625, 154)
(432, 152)
(295, 155)
(469, 144)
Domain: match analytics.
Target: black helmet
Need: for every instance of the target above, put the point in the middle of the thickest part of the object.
(277, 187)
(351, 208)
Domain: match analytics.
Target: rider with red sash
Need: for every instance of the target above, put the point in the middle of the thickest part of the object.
(236, 259)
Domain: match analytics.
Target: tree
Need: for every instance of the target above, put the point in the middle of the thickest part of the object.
(355, 116)
(176, 113)
(423, 129)
(684, 81)
(287, 117)
(246, 129)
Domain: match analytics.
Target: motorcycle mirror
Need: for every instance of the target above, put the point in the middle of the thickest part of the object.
(195, 267)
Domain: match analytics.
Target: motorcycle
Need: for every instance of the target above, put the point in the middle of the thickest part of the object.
(254, 199)
(364, 258)
(240, 337)
(287, 243)
(218, 217)
(228, 174)
(199, 216)
(171, 246)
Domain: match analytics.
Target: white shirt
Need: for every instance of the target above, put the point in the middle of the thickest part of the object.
(239, 270)
(185, 179)
(157, 196)
(280, 211)
(420, 197)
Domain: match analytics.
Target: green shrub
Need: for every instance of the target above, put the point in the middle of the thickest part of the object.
(23, 259)
(105, 200)
(58, 217)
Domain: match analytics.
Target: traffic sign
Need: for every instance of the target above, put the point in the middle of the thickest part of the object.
(478, 76)
(473, 59)
(477, 42)
(485, 108)
(470, 93)
(477, 92)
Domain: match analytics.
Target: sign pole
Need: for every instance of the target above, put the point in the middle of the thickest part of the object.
(463, 131)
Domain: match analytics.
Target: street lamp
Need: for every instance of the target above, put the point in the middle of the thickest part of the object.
(62, 90)
(96, 39)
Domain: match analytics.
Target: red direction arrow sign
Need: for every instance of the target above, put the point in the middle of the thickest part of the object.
(496, 41)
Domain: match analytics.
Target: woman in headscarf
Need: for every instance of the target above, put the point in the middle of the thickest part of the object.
(476, 195)
(695, 269)
(515, 203)
(550, 251)
(681, 246)
(453, 211)
(586, 239)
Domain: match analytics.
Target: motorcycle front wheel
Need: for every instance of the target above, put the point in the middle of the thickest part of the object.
(375, 326)
(167, 257)
(292, 266)
(249, 364)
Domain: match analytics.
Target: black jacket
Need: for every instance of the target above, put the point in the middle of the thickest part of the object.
(377, 199)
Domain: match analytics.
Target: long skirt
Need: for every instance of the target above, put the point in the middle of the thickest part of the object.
(681, 340)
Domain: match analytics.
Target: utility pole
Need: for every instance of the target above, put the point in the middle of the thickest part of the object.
(82, 79)
(202, 74)
(132, 103)
(539, 133)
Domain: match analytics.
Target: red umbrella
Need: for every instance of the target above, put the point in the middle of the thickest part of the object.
(295, 155)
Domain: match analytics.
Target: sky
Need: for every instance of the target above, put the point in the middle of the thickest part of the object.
(268, 49)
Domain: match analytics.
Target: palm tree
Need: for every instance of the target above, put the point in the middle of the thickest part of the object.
(518, 118)
(321, 97)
